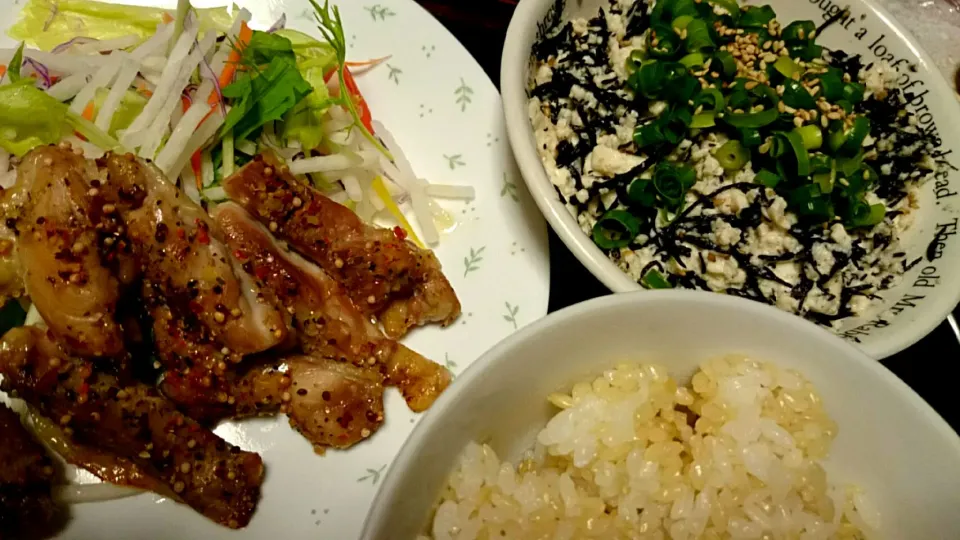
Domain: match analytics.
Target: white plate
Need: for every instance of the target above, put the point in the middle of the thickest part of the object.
(446, 114)
(928, 292)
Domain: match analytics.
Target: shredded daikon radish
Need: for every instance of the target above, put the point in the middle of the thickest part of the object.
(324, 164)
(246, 147)
(171, 112)
(155, 43)
(67, 63)
(154, 64)
(219, 60)
(352, 185)
(99, 46)
(176, 144)
(124, 79)
(203, 136)
(164, 86)
(100, 79)
(89, 493)
(8, 179)
(90, 151)
(421, 209)
(447, 191)
(216, 194)
(68, 87)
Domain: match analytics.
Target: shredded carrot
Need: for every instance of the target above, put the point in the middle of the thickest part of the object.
(367, 64)
(167, 18)
(88, 111)
(3, 70)
(196, 164)
(230, 68)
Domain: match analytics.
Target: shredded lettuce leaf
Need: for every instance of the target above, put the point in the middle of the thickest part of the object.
(314, 59)
(130, 107)
(32, 118)
(48, 23)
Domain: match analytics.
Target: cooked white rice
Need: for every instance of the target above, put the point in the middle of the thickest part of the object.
(621, 460)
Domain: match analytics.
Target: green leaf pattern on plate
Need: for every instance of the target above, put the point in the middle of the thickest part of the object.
(509, 188)
(454, 161)
(373, 475)
(379, 12)
(511, 315)
(394, 73)
(472, 262)
(464, 95)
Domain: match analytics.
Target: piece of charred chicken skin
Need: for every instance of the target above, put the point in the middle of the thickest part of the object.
(382, 272)
(153, 445)
(60, 224)
(328, 323)
(26, 476)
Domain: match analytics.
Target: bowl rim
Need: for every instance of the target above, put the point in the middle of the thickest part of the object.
(513, 69)
(501, 354)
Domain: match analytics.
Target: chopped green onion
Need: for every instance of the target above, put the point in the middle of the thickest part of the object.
(693, 60)
(831, 85)
(751, 137)
(765, 96)
(672, 182)
(792, 142)
(649, 79)
(653, 279)
(796, 96)
(811, 135)
(851, 165)
(642, 192)
(703, 120)
(767, 178)
(662, 41)
(853, 92)
(861, 214)
(798, 32)
(682, 21)
(698, 36)
(711, 99)
(732, 155)
(616, 229)
(648, 135)
(849, 142)
(786, 66)
(757, 16)
(727, 62)
(807, 52)
(675, 125)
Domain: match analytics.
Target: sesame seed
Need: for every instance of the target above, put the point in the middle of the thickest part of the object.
(297, 202)
(338, 263)
(184, 468)
(178, 486)
(267, 171)
(109, 209)
(191, 443)
(144, 455)
(93, 192)
(231, 475)
(273, 226)
(219, 317)
(236, 313)
(225, 350)
(285, 397)
(371, 299)
(65, 419)
(46, 161)
(364, 433)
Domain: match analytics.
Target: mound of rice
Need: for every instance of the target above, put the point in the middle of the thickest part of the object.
(634, 455)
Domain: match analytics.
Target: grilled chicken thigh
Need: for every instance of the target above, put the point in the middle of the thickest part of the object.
(383, 274)
(155, 446)
(26, 475)
(59, 225)
(328, 323)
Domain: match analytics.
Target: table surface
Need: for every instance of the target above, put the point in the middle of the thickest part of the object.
(481, 26)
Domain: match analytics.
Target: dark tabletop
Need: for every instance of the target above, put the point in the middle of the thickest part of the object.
(481, 26)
